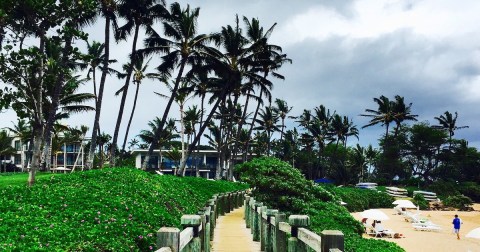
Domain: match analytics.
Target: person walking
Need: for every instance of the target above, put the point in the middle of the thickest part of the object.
(456, 226)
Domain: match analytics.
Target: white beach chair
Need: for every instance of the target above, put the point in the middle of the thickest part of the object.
(428, 226)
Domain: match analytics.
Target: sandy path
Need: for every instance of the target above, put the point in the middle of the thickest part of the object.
(445, 240)
(231, 235)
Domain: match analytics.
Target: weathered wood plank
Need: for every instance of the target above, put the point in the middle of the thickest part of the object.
(311, 239)
(285, 227)
(185, 237)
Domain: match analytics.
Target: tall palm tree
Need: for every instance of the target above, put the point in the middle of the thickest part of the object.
(267, 57)
(268, 123)
(384, 113)
(107, 9)
(182, 47)
(401, 113)
(139, 73)
(148, 136)
(281, 108)
(137, 13)
(448, 122)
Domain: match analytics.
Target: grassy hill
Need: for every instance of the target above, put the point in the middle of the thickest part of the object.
(117, 209)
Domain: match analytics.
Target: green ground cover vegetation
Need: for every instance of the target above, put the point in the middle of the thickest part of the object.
(118, 209)
(282, 187)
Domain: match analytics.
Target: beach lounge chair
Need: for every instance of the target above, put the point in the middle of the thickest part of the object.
(427, 226)
(379, 230)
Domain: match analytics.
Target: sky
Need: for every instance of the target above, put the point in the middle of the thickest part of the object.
(344, 53)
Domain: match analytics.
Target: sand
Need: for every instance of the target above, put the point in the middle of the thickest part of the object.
(444, 240)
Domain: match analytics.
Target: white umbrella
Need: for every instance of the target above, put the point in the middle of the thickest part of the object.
(396, 202)
(474, 233)
(407, 204)
(374, 214)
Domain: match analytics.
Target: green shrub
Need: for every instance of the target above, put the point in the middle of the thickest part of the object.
(458, 201)
(114, 209)
(470, 189)
(360, 199)
(444, 188)
(420, 201)
(278, 185)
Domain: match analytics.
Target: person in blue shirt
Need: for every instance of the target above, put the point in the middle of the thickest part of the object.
(456, 226)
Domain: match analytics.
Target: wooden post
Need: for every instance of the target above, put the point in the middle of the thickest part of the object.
(193, 221)
(215, 203)
(201, 233)
(212, 219)
(296, 222)
(206, 239)
(332, 239)
(169, 237)
(279, 237)
(246, 213)
(268, 239)
(256, 221)
(262, 223)
(252, 213)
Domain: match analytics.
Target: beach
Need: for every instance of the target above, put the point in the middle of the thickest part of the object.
(443, 240)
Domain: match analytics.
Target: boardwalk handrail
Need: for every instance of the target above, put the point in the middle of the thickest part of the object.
(271, 228)
(198, 229)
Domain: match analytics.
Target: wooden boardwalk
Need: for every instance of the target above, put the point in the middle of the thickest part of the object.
(231, 235)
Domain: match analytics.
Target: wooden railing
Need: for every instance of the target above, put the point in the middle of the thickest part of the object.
(198, 230)
(275, 234)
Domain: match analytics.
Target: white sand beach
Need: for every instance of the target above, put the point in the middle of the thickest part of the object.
(444, 240)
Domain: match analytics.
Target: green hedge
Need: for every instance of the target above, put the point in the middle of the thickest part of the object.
(280, 186)
(361, 199)
(117, 209)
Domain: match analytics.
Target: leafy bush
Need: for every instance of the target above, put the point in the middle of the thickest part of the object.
(420, 201)
(278, 185)
(444, 188)
(360, 199)
(115, 209)
(470, 189)
(276, 181)
(458, 201)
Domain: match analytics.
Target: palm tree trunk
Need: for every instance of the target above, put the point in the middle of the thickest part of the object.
(204, 126)
(59, 85)
(165, 113)
(113, 147)
(131, 117)
(182, 134)
(95, 87)
(247, 145)
(98, 103)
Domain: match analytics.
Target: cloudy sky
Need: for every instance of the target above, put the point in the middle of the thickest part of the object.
(344, 54)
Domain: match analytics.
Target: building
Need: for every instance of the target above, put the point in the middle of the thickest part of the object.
(68, 156)
(206, 160)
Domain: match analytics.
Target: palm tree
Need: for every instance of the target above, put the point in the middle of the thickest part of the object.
(184, 48)
(107, 9)
(6, 148)
(267, 57)
(448, 122)
(23, 130)
(401, 113)
(281, 109)
(148, 136)
(267, 123)
(139, 74)
(384, 113)
(137, 13)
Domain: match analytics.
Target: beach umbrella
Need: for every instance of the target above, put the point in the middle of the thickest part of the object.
(474, 233)
(396, 202)
(374, 214)
(407, 204)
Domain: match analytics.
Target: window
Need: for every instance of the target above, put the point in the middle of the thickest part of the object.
(17, 145)
(17, 159)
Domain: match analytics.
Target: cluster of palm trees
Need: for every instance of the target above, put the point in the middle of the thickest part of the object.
(221, 68)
